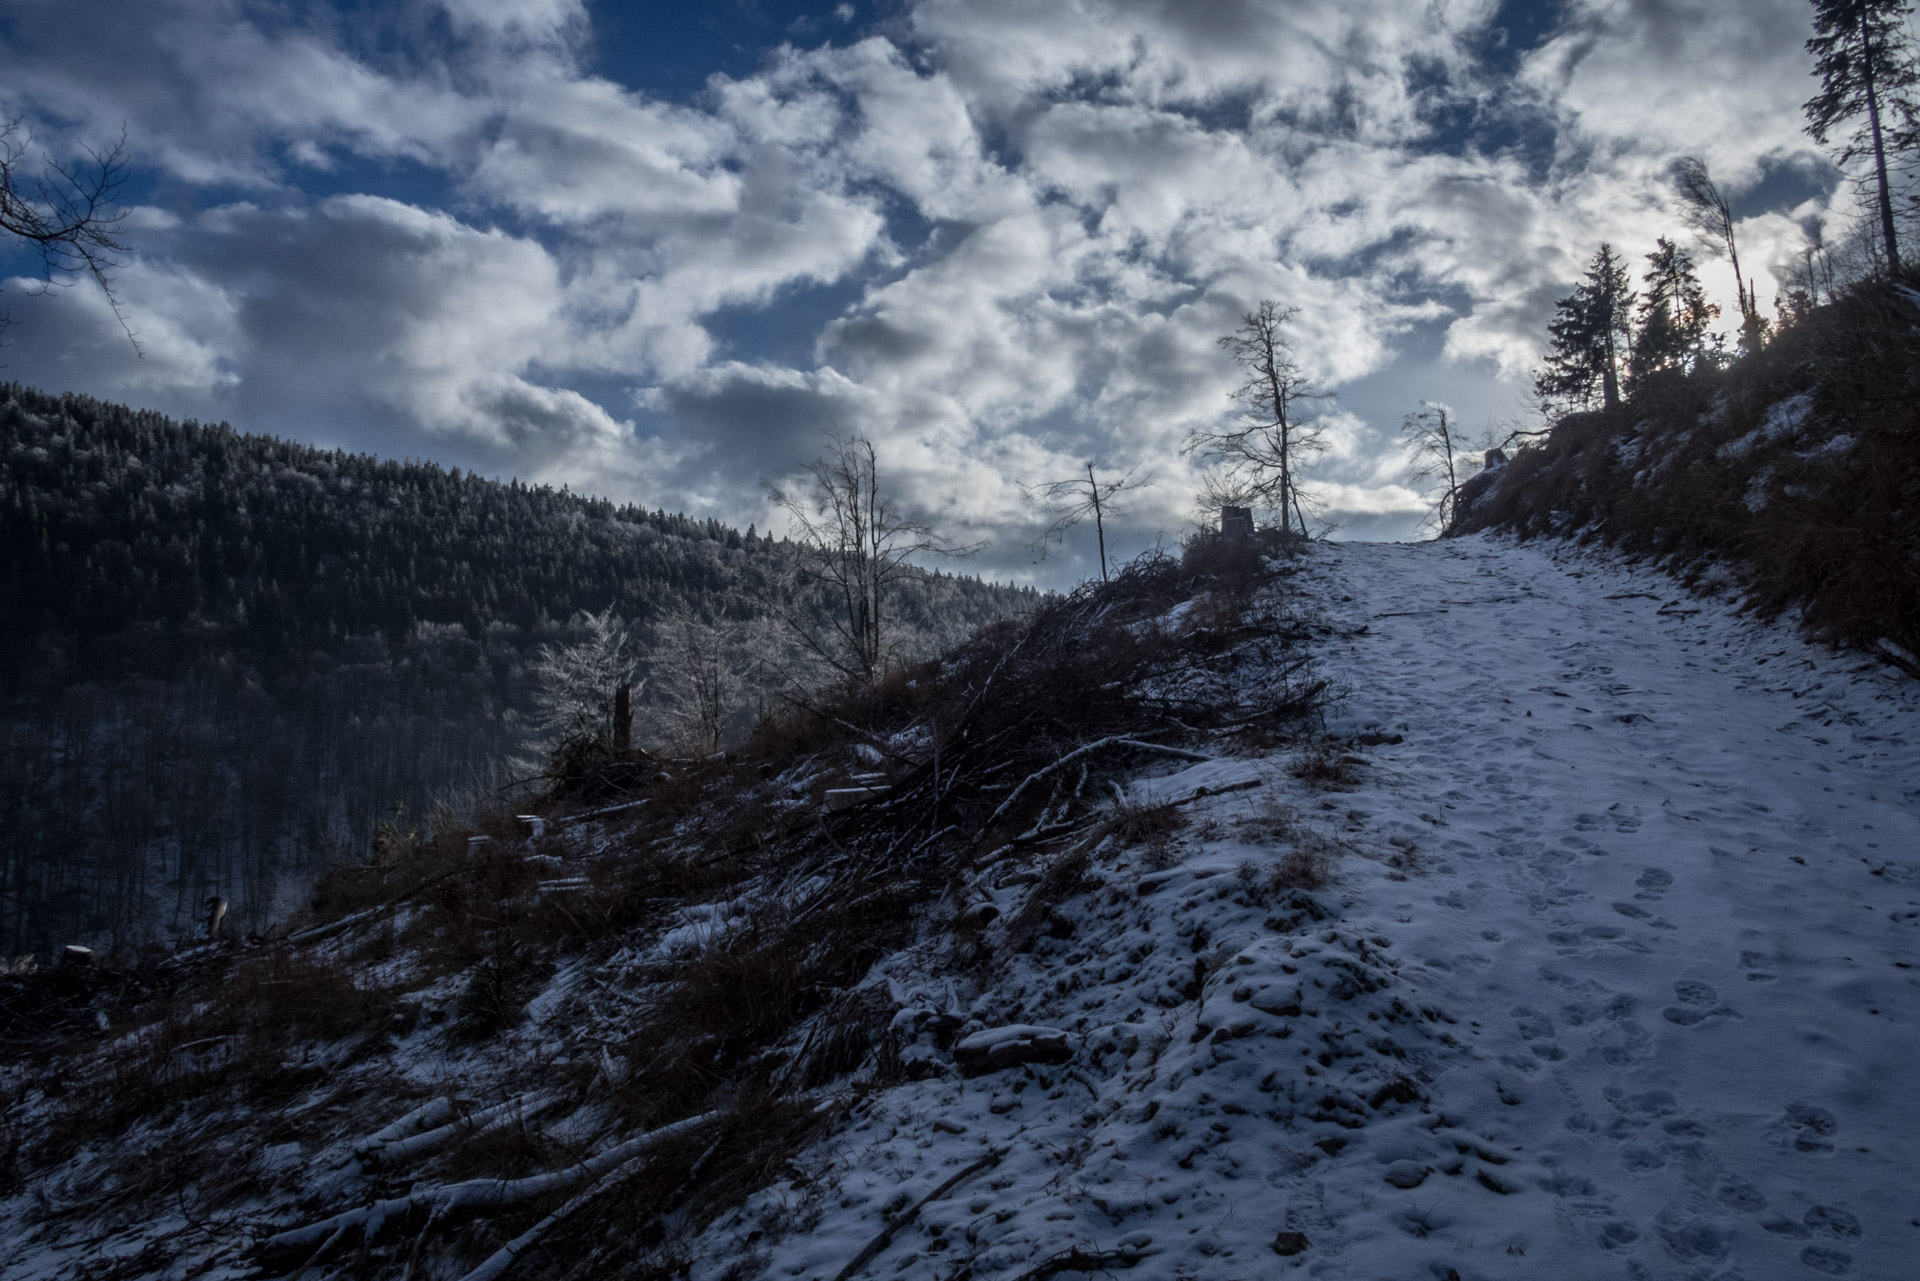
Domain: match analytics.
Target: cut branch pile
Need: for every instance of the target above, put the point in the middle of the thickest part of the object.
(695, 1062)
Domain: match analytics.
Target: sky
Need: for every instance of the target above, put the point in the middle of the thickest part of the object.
(664, 252)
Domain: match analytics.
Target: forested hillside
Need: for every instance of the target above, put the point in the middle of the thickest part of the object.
(228, 656)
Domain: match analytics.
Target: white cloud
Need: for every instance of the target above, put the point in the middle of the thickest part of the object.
(1000, 238)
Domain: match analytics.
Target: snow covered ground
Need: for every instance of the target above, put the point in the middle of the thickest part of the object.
(1614, 978)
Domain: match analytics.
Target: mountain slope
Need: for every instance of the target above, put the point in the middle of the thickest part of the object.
(1616, 977)
(229, 656)
(1584, 944)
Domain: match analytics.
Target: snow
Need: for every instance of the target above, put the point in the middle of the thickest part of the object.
(1614, 976)
(1783, 419)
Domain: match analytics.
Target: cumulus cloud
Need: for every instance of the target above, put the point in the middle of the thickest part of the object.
(1000, 239)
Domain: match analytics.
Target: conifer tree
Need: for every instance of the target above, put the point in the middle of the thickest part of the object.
(1671, 323)
(1588, 331)
(1865, 60)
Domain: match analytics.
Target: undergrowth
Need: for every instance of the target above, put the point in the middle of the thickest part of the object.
(1008, 750)
(1813, 503)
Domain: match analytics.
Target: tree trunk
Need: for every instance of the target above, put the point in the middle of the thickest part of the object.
(1879, 147)
(1099, 526)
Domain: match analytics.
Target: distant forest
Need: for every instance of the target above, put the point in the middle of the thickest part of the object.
(228, 657)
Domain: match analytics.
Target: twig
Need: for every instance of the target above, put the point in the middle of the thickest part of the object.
(1078, 1260)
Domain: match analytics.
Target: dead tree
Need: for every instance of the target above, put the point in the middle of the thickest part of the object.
(1072, 500)
(1437, 454)
(857, 547)
(1264, 450)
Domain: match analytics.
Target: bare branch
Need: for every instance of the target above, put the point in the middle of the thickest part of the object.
(1264, 451)
(1072, 500)
(855, 546)
(69, 216)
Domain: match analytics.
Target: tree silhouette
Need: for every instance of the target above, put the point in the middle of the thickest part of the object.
(1864, 57)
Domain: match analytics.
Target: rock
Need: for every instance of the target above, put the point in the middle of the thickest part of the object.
(1290, 1243)
(1407, 1174)
(999, 1048)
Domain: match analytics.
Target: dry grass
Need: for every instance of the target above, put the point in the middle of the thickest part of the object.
(768, 1008)
(1677, 474)
(246, 1035)
(1328, 766)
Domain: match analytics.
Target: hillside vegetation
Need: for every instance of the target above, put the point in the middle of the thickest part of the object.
(1791, 475)
(229, 656)
(593, 1042)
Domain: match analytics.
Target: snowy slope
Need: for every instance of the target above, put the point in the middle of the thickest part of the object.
(1614, 978)
(1611, 976)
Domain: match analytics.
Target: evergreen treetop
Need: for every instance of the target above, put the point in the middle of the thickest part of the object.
(1590, 328)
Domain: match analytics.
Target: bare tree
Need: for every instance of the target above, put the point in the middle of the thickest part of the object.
(1709, 213)
(1439, 452)
(1264, 451)
(67, 215)
(857, 547)
(1072, 500)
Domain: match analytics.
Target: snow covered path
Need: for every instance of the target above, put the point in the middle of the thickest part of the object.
(1677, 886)
(1613, 979)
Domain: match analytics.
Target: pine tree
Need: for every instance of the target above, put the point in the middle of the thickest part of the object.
(1865, 60)
(1671, 323)
(1589, 328)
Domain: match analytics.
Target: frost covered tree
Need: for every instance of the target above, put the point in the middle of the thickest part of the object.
(576, 682)
(1590, 336)
(705, 676)
(1863, 54)
(1274, 436)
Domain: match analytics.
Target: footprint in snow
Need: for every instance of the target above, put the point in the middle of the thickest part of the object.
(1653, 883)
(1738, 1194)
(1618, 1235)
(1689, 1239)
(1755, 964)
(1828, 1259)
(1807, 1129)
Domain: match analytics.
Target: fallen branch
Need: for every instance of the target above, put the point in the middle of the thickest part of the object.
(507, 1255)
(473, 1195)
(1201, 795)
(499, 1116)
(1080, 753)
(432, 1113)
(1078, 1260)
(906, 1216)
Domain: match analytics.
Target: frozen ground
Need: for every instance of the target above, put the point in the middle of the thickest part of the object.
(1614, 978)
